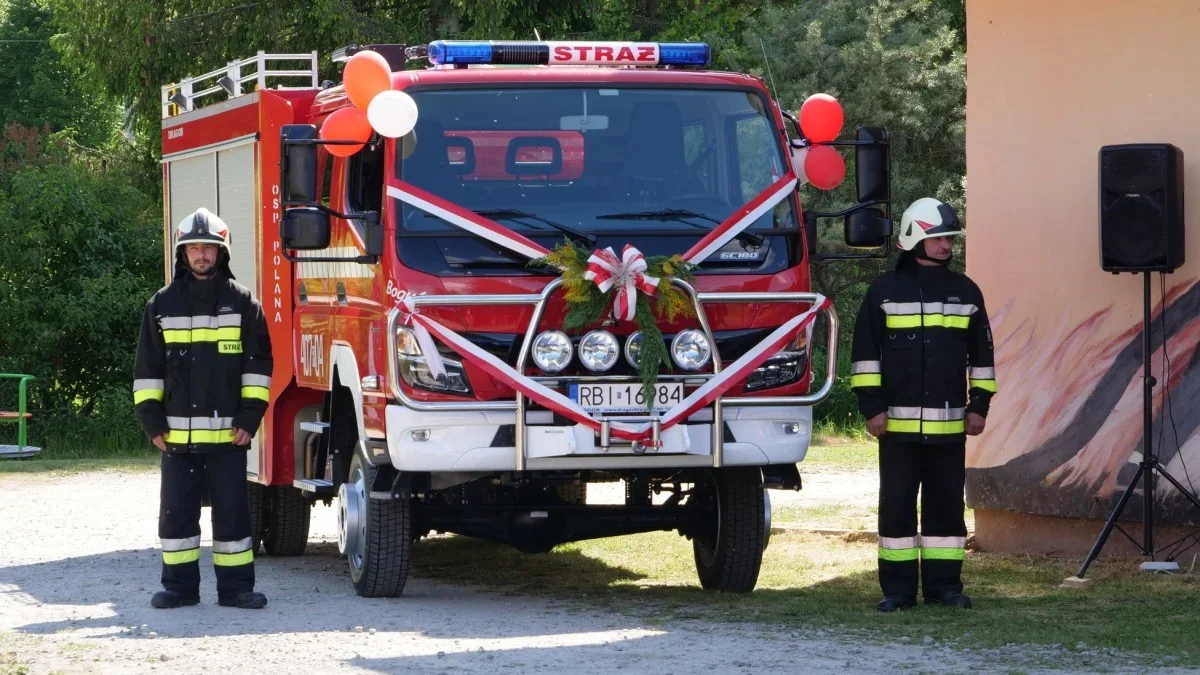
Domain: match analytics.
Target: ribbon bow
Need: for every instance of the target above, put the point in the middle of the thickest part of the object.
(424, 340)
(627, 273)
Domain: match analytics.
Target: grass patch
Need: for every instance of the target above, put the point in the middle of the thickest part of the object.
(815, 581)
(828, 516)
(71, 467)
(841, 454)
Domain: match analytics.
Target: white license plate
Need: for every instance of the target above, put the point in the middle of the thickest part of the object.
(624, 398)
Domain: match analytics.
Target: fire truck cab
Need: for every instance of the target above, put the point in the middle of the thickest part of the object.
(599, 144)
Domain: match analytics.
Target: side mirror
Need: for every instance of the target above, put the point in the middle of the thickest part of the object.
(298, 166)
(867, 228)
(304, 229)
(873, 165)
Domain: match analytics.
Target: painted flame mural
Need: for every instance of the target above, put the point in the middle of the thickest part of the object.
(1065, 431)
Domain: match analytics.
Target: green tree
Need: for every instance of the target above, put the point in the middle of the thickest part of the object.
(40, 89)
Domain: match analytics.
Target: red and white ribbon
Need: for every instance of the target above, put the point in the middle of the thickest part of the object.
(557, 402)
(627, 273)
(424, 340)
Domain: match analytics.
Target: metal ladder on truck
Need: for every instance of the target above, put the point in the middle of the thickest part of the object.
(20, 416)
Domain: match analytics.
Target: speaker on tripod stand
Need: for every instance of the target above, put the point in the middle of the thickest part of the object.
(1141, 230)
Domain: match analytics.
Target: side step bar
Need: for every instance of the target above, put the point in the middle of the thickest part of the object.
(314, 486)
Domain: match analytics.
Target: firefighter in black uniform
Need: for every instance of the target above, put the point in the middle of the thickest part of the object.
(924, 376)
(201, 385)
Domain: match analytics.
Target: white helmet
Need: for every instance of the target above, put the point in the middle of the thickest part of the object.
(202, 227)
(924, 219)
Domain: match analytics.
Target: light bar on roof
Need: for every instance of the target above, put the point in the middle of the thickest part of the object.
(500, 52)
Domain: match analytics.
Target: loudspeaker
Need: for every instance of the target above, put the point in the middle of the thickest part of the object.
(1141, 207)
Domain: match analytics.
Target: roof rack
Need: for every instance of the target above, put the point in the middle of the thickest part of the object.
(181, 97)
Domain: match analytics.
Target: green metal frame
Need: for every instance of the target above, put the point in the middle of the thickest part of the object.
(21, 420)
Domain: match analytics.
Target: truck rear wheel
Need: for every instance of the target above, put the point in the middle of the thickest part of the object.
(285, 530)
(729, 544)
(375, 535)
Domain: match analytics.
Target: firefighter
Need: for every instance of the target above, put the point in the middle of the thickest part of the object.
(924, 376)
(201, 387)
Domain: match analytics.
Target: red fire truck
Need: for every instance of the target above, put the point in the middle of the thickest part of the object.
(366, 262)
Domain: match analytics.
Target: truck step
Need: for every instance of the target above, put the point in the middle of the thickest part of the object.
(316, 486)
(17, 451)
(315, 427)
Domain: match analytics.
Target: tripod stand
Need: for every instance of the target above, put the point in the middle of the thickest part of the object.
(1149, 464)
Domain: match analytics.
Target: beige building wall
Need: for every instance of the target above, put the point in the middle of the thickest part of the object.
(1049, 83)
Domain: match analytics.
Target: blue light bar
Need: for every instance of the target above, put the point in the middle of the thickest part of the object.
(683, 53)
(600, 53)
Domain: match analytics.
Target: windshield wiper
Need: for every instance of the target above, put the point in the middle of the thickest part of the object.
(513, 214)
(679, 215)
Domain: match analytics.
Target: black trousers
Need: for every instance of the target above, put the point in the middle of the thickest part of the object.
(936, 558)
(183, 478)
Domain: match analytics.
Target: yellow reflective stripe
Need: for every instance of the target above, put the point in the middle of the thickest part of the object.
(256, 392)
(177, 436)
(181, 557)
(147, 395)
(986, 385)
(953, 427)
(205, 436)
(202, 335)
(943, 554)
(928, 320)
(233, 559)
(897, 554)
(904, 426)
(866, 380)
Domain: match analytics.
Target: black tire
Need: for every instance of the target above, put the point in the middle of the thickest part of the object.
(729, 546)
(382, 569)
(285, 531)
(256, 499)
(572, 493)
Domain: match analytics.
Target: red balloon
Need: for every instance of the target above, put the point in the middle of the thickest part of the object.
(824, 167)
(821, 118)
(366, 74)
(347, 124)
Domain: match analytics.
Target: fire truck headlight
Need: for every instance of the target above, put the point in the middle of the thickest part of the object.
(633, 348)
(598, 350)
(414, 371)
(551, 351)
(690, 349)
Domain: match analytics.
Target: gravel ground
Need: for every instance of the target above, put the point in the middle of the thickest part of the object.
(79, 562)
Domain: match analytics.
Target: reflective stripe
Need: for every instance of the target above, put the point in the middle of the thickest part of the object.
(201, 321)
(178, 437)
(210, 422)
(185, 544)
(181, 557)
(943, 414)
(229, 320)
(233, 559)
(231, 546)
(898, 555)
(182, 436)
(927, 320)
(175, 322)
(904, 426)
(868, 380)
(183, 423)
(986, 385)
(859, 367)
(251, 380)
(256, 392)
(139, 385)
(891, 308)
(144, 395)
(897, 542)
(956, 427)
(950, 308)
(904, 413)
(943, 542)
(981, 373)
(943, 554)
(202, 335)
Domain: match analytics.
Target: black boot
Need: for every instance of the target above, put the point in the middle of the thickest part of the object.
(171, 600)
(949, 599)
(892, 603)
(244, 600)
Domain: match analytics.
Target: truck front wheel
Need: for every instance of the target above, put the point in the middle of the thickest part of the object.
(375, 535)
(733, 529)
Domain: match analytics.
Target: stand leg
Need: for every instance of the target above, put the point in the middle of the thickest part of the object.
(1112, 520)
(1149, 460)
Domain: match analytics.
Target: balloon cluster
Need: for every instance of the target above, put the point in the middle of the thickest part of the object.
(368, 82)
(820, 121)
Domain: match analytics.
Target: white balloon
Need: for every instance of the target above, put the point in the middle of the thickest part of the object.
(798, 156)
(392, 113)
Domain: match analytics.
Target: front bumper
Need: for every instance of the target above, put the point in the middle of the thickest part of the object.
(484, 441)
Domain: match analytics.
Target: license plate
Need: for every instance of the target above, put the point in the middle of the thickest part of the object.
(624, 398)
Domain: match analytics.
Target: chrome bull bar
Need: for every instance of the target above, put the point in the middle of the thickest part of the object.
(539, 302)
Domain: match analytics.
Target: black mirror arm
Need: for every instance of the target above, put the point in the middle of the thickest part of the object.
(365, 216)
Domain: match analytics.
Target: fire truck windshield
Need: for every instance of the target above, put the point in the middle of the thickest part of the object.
(630, 163)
